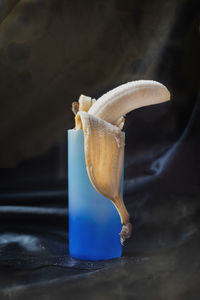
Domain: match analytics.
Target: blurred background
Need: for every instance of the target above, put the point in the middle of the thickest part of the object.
(51, 51)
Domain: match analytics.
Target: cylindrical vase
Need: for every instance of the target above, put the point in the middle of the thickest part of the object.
(94, 223)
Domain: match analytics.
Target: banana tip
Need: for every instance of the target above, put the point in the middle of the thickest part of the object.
(125, 232)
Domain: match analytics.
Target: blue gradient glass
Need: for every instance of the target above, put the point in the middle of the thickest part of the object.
(94, 223)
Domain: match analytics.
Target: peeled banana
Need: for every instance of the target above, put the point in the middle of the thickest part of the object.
(102, 122)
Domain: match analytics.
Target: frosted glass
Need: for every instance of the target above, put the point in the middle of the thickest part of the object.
(94, 223)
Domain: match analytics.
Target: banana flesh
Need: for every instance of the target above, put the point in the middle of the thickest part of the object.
(102, 121)
(127, 97)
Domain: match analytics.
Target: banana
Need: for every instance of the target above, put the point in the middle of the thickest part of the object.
(102, 121)
(127, 97)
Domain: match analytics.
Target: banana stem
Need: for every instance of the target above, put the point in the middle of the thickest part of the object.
(124, 215)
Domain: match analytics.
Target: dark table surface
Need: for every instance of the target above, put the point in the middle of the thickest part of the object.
(160, 261)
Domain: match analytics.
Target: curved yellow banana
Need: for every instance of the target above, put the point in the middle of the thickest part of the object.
(102, 121)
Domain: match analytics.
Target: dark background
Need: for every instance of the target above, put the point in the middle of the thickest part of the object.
(50, 53)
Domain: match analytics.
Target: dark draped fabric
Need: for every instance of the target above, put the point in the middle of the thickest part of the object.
(51, 52)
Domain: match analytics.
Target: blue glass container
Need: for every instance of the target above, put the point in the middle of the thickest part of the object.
(94, 223)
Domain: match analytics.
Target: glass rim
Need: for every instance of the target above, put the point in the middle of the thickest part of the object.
(77, 130)
(72, 129)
